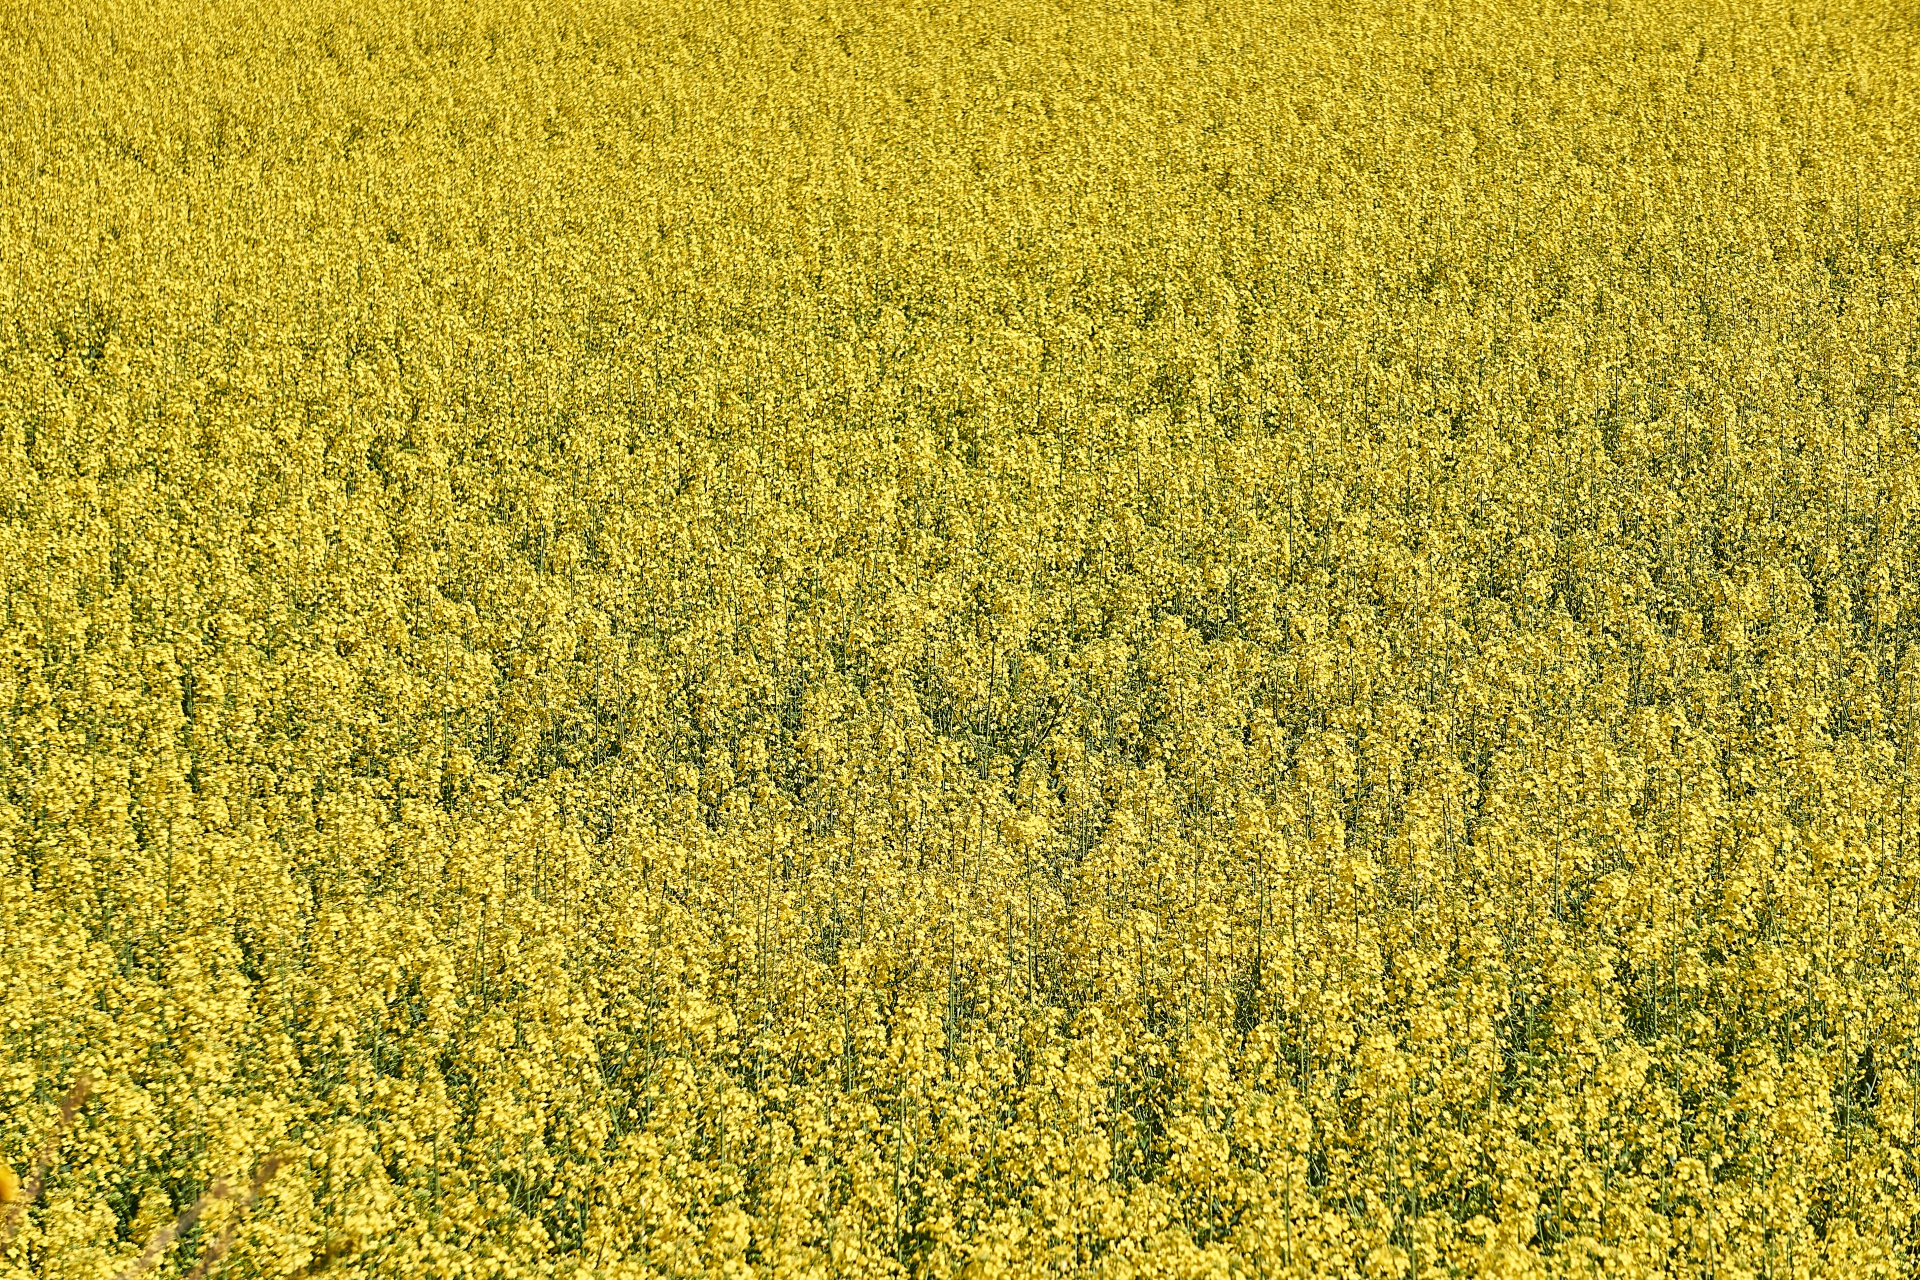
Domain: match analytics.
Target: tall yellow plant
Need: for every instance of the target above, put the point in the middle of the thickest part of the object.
(1135, 641)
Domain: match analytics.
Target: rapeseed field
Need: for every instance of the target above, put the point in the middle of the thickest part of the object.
(1086, 638)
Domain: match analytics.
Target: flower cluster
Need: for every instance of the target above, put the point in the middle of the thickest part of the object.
(959, 641)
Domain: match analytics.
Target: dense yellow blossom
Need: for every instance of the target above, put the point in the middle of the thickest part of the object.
(1003, 639)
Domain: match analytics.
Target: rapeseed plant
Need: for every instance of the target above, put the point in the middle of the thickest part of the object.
(1131, 641)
